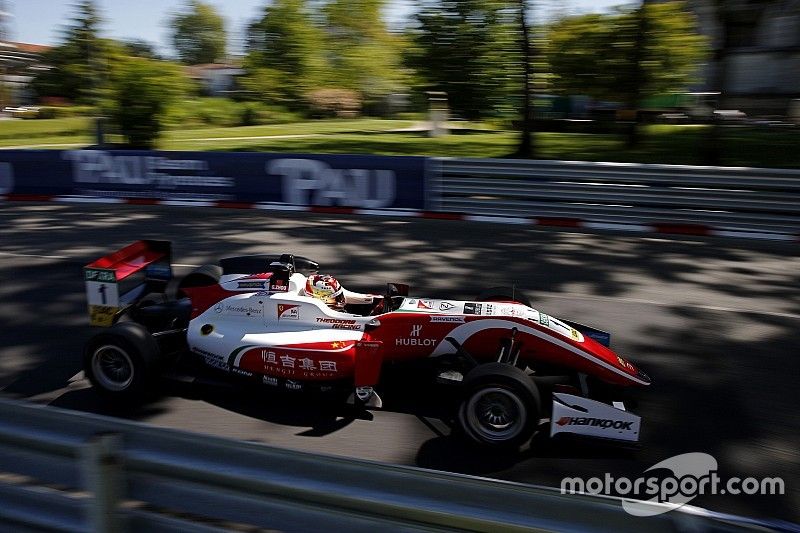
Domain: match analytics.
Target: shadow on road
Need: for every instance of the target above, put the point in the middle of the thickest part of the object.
(714, 322)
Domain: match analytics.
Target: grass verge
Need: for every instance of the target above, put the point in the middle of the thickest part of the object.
(741, 146)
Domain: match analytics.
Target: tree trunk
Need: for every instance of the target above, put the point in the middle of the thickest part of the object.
(526, 147)
(638, 78)
(712, 151)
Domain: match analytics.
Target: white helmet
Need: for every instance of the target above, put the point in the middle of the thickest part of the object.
(326, 288)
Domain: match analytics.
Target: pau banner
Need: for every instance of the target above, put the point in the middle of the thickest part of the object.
(368, 182)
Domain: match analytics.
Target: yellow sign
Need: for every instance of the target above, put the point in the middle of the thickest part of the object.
(102, 315)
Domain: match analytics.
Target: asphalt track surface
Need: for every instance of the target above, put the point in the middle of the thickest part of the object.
(715, 322)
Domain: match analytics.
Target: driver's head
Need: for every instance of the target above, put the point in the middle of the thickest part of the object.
(326, 288)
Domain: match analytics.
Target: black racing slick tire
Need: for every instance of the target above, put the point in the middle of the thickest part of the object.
(500, 406)
(122, 363)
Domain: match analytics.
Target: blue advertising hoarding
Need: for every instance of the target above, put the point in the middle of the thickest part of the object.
(368, 182)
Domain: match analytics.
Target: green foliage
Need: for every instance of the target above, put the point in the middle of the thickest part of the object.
(140, 48)
(363, 56)
(50, 112)
(23, 131)
(285, 57)
(594, 54)
(78, 66)
(469, 49)
(293, 55)
(328, 103)
(141, 90)
(202, 112)
(266, 84)
(198, 34)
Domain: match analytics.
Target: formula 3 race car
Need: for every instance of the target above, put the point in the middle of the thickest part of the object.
(259, 317)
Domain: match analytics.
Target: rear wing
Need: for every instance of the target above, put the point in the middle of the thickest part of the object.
(119, 279)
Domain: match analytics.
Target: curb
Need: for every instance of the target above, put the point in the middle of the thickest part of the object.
(667, 228)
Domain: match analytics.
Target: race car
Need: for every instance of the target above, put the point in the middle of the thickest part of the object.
(274, 319)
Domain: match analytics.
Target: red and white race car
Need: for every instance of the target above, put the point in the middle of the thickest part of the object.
(261, 318)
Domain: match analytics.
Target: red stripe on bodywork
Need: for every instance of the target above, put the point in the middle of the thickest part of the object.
(326, 346)
(204, 297)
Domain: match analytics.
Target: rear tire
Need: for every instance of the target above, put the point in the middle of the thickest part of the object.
(500, 406)
(203, 276)
(122, 362)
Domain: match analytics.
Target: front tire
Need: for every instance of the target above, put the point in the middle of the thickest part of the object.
(122, 362)
(500, 406)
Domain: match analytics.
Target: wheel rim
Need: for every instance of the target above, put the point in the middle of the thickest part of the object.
(496, 414)
(112, 368)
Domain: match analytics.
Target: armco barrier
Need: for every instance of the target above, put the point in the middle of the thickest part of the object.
(661, 198)
(113, 475)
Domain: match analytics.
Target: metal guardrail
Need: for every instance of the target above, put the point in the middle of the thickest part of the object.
(68, 471)
(621, 193)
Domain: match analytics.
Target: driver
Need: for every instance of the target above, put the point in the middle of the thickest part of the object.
(326, 288)
(330, 291)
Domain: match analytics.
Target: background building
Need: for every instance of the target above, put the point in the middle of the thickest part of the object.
(760, 50)
(19, 62)
(216, 79)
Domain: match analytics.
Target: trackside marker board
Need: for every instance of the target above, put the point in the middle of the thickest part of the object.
(116, 280)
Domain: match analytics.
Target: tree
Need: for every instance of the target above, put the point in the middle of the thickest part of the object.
(78, 66)
(470, 50)
(526, 147)
(597, 54)
(198, 34)
(362, 55)
(637, 66)
(141, 90)
(285, 57)
(724, 15)
(140, 48)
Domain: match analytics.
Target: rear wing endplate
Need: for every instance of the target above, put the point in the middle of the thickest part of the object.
(118, 279)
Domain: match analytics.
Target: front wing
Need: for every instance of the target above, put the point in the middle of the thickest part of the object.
(590, 418)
